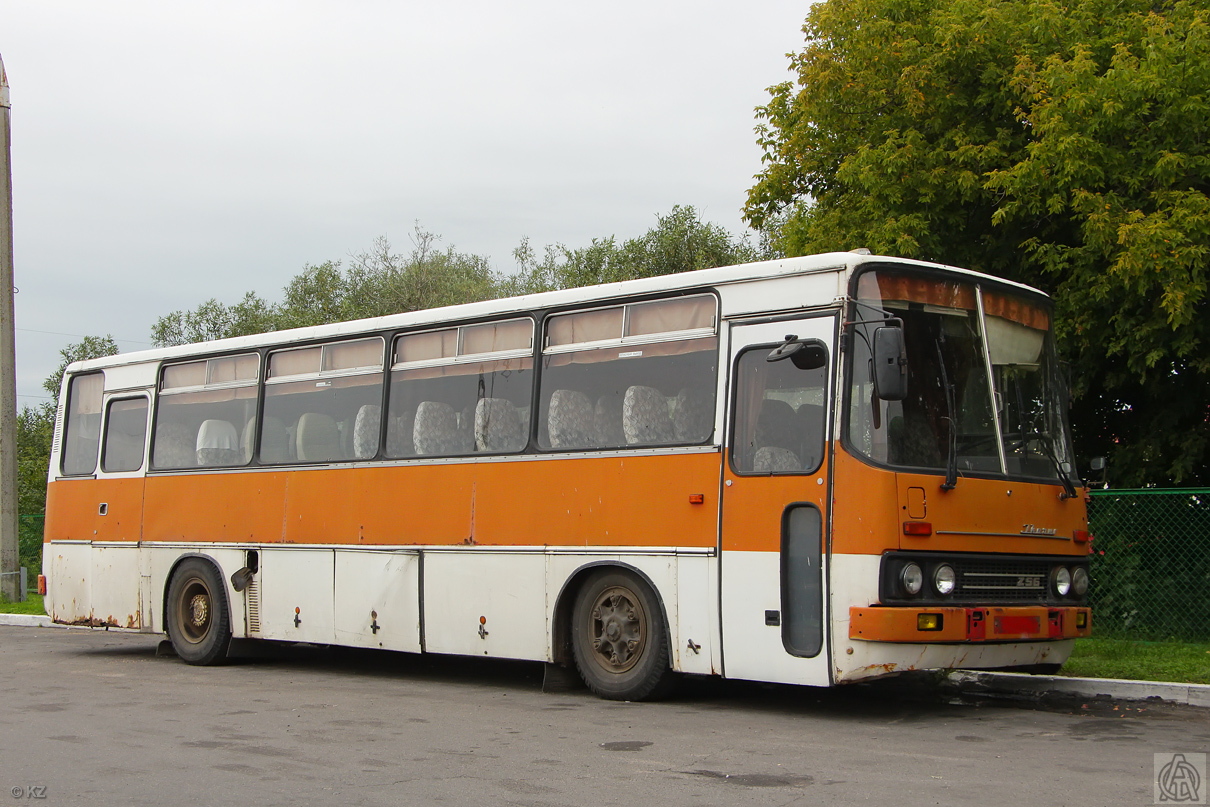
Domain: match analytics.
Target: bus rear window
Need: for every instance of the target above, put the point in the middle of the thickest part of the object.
(82, 429)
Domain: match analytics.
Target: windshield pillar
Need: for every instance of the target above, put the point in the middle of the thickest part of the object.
(997, 406)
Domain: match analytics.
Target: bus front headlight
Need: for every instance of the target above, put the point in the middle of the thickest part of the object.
(944, 579)
(912, 579)
(1060, 580)
(1079, 581)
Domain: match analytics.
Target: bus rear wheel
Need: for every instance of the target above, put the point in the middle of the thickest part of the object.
(619, 640)
(199, 623)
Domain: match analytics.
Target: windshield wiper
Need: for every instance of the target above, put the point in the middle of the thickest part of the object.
(951, 458)
(1046, 443)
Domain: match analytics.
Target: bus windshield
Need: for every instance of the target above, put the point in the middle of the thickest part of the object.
(984, 395)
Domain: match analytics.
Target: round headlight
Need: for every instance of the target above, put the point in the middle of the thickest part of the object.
(1079, 581)
(944, 579)
(912, 579)
(1060, 580)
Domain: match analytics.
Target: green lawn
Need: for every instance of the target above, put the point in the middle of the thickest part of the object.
(1140, 661)
(32, 605)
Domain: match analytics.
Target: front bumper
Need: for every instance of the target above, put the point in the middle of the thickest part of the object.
(927, 625)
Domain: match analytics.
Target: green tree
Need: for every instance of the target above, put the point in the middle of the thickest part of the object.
(380, 281)
(376, 282)
(679, 242)
(214, 320)
(90, 347)
(35, 430)
(1063, 144)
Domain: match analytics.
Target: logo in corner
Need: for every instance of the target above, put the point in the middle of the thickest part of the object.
(1030, 529)
(1179, 778)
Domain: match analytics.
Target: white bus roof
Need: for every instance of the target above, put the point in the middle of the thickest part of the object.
(720, 276)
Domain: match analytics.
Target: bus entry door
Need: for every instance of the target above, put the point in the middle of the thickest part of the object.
(775, 496)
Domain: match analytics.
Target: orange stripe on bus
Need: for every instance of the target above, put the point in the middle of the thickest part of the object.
(585, 501)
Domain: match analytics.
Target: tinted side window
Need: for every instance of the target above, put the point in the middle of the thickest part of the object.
(463, 390)
(323, 403)
(204, 412)
(636, 375)
(125, 435)
(82, 426)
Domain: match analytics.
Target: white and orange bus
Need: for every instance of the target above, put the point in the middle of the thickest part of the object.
(813, 471)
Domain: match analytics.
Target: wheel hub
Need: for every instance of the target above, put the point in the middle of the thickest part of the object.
(199, 610)
(618, 629)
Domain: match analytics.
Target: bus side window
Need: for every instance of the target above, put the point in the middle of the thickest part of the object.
(125, 435)
(635, 375)
(82, 428)
(201, 410)
(780, 412)
(462, 390)
(323, 403)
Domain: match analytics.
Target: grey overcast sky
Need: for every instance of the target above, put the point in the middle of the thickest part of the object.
(165, 152)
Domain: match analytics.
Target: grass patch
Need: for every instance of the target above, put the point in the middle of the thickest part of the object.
(1179, 662)
(32, 605)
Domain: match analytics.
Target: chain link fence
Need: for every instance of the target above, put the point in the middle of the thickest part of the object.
(29, 544)
(1151, 564)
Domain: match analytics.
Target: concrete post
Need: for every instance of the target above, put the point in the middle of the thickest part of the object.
(10, 580)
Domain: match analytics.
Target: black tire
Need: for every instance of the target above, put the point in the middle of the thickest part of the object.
(199, 620)
(618, 638)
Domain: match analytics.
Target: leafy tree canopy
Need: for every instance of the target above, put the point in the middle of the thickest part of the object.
(90, 347)
(1060, 143)
(680, 242)
(380, 281)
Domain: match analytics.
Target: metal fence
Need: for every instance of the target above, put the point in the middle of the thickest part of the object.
(1151, 563)
(29, 541)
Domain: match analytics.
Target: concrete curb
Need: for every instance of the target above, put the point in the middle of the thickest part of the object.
(26, 620)
(1113, 688)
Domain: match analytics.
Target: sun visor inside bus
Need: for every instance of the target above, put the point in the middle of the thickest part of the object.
(1012, 344)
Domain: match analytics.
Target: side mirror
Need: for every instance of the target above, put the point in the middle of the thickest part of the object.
(805, 354)
(1096, 464)
(890, 364)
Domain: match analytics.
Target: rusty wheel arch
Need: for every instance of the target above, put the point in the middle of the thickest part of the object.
(566, 601)
(168, 582)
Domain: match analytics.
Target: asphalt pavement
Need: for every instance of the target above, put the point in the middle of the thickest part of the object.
(96, 717)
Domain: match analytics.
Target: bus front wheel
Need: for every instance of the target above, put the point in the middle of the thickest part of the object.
(619, 640)
(199, 623)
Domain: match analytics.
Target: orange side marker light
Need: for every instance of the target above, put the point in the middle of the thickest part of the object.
(697, 498)
(922, 529)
